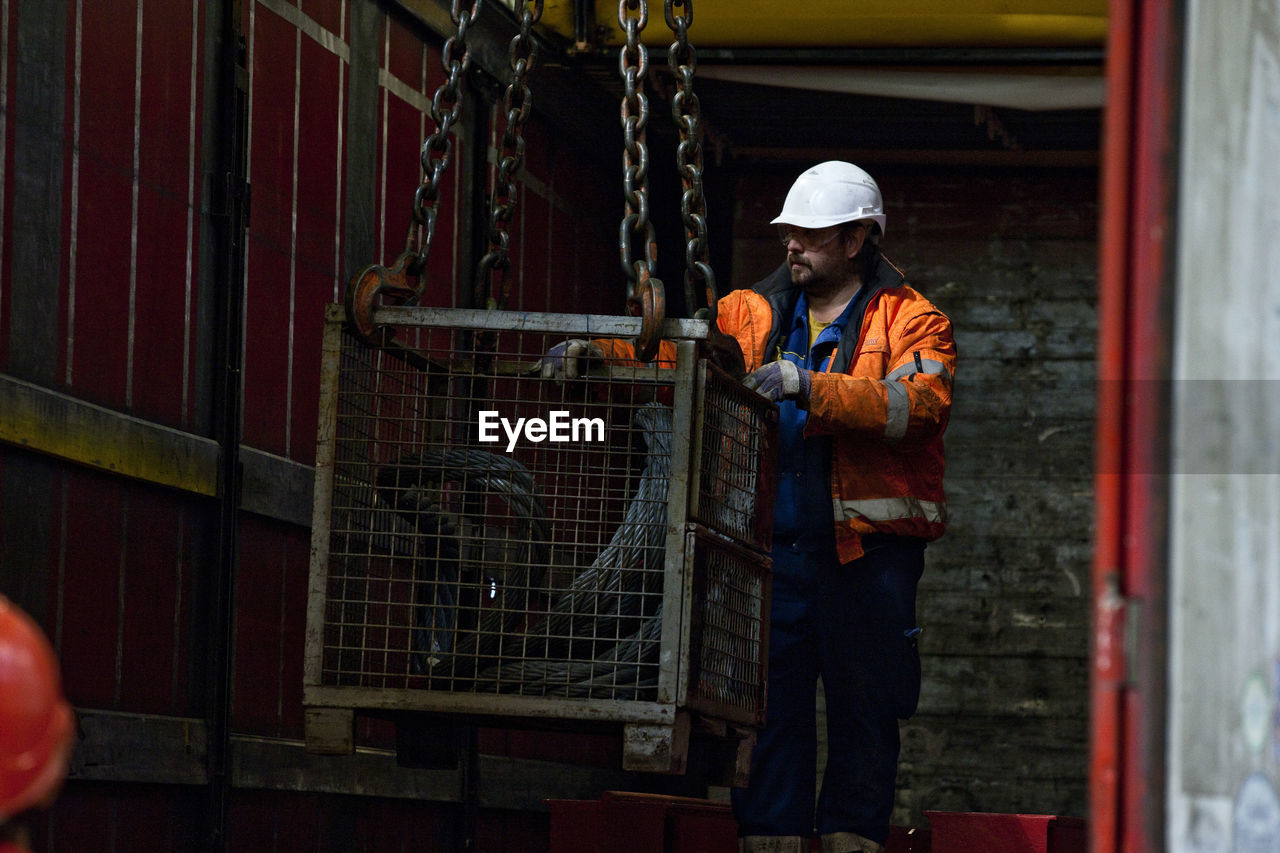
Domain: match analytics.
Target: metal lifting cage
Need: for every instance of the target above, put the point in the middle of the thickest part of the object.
(605, 562)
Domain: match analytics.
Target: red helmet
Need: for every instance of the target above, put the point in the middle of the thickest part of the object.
(36, 723)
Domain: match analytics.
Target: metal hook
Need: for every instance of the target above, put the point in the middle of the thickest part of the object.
(371, 282)
(648, 301)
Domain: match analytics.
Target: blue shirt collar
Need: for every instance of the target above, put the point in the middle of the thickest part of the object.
(833, 332)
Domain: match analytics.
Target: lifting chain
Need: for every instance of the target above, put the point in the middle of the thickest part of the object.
(645, 295)
(502, 202)
(686, 112)
(446, 112)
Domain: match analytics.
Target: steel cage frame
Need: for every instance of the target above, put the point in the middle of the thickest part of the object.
(690, 535)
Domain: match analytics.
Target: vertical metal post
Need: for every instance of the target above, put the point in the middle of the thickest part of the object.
(1129, 682)
(230, 220)
(679, 568)
(322, 500)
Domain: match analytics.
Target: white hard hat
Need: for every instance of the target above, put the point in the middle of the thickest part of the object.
(831, 193)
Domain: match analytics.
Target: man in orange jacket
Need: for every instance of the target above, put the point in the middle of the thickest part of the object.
(861, 367)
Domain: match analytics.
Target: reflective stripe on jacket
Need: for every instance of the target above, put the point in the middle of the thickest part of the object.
(885, 397)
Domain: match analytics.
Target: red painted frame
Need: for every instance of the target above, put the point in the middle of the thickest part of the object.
(1135, 295)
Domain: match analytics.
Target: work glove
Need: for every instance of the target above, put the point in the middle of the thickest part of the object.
(570, 359)
(781, 380)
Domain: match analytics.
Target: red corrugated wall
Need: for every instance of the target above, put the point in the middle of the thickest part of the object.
(125, 563)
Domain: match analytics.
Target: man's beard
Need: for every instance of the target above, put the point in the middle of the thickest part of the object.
(809, 279)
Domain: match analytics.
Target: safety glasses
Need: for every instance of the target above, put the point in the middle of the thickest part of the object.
(810, 239)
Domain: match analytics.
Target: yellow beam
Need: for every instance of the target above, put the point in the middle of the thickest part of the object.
(866, 24)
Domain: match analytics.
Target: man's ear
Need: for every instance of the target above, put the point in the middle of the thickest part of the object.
(854, 240)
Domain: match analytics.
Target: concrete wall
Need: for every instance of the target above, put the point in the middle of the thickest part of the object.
(1011, 257)
(1224, 724)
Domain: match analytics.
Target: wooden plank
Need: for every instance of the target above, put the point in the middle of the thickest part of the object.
(67, 428)
(73, 429)
(151, 749)
(275, 487)
(656, 749)
(120, 747)
(488, 705)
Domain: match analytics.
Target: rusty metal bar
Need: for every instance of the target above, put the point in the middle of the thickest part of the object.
(594, 325)
(676, 591)
(323, 494)
(490, 705)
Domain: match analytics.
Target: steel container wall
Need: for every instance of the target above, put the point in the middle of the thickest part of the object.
(111, 200)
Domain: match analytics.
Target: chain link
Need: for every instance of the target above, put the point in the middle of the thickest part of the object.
(686, 111)
(446, 112)
(502, 202)
(645, 294)
(636, 232)
(376, 281)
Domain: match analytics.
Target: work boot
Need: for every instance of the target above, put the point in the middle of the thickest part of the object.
(849, 842)
(773, 844)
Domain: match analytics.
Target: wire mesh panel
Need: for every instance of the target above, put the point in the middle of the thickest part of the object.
(734, 459)
(485, 532)
(728, 634)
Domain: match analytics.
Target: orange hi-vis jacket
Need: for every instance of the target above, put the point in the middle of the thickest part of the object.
(884, 396)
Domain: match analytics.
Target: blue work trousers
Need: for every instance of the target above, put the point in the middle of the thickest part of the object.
(854, 627)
